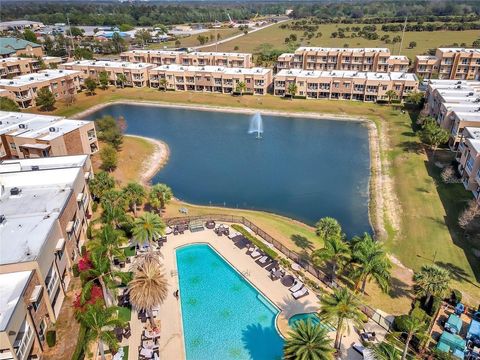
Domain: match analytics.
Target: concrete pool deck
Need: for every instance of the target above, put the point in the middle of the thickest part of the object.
(171, 342)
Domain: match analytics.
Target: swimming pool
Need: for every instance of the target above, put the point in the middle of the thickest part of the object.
(223, 315)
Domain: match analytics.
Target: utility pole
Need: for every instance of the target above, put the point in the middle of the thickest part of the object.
(71, 36)
(403, 35)
(216, 36)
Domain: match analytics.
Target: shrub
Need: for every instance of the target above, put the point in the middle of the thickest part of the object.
(418, 313)
(456, 296)
(89, 232)
(51, 338)
(80, 348)
(265, 248)
(94, 206)
(399, 323)
(75, 270)
(436, 303)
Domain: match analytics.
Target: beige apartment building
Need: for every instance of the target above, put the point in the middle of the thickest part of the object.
(345, 85)
(356, 59)
(136, 74)
(16, 66)
(468, 156)
(450, 63)
(43, 221)
(196, 58)
(24, 135)
(62, 83)
(211, 79)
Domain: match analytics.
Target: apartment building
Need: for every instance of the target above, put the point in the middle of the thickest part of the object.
(345, 85)
(45, 206)
(10, 46)
(62, 83)
(16, 66)
(356, 59)
(468, 156)
(195, 58)
(450, 63)
(24, 135)
(136, 74)
(211, 79)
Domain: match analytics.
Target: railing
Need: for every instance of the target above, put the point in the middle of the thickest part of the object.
(292, 255)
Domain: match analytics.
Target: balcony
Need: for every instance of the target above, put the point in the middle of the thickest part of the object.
(469, 164)
(23, 341)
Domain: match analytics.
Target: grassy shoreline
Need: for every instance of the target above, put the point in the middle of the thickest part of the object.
(420, 223)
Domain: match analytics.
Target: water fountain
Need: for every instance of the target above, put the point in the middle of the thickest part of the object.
(256, 125)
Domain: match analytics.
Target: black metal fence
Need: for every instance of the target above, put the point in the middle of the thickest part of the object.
(300, 259)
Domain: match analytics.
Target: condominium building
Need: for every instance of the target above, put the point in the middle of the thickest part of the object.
(346, 85)
(468, 157)
(135, 74)
(45, 206)
(450, 63)
(10, 46)
(62, 83)
(195, 58)
(15, 66)
(217, 79)
(24, 135)
(356, 59)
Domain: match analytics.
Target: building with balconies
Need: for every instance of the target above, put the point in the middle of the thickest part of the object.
(24, 135)
(450, 63)
(16, 66)
(469, 164)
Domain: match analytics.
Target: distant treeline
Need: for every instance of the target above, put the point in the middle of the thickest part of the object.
(152, 13)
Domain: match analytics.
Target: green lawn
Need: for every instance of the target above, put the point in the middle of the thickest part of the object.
(124, 314)
(276, 36)
(129, 251)
(190, 41)
(429, 209)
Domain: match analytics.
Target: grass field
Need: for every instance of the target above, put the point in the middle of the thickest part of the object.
(190, 41)
(429, 209)
(276, 36)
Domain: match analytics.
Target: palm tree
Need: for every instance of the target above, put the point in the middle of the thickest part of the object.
(162, 83)
(149, 287)
(431, 280)
(101, 183)
(241, 87)
(114, 205)
(327, 227)
(342, 310)
(292, 89)
(121, 79)
(160, 194)
(147, 228)
(308, 342)
(385, 351)
(100, 322)
(391, 95)
(108, 240)
(372, 263)
(336, 251)
(134, 194)
(412, 326)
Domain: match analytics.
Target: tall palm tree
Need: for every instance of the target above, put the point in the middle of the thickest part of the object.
(341, 309)
(114, 205)
(149, 287)
(391, 95)
(108, 240)
(371, 263)
(327, 227)
(308, 342)
(385, 351)
(292, 89)
(413, 326)
(336, 251)
(134, 194)
(101, 183)
(147, 228)
(431, 280)
(100, 322)
(121, 79)
(163, 84)
(241, 87)
(159, 196)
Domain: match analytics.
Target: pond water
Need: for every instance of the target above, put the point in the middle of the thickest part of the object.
(301, 168)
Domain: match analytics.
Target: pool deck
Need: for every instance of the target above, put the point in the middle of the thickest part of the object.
(171, 344)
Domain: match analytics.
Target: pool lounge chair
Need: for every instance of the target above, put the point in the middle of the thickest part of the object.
(300, 293)
(296, 286)
(255, 253)
(264, 260)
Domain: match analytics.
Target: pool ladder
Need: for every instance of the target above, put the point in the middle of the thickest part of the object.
(246, 273)
(173, 273)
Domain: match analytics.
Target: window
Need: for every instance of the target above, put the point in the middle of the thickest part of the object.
(41, 330)
(36, 298)
(13, 146)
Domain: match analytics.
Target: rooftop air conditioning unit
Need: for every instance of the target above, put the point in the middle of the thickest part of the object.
(53, 129)
(3, 219)
(22, 126)
(15, 191)
(35, 167)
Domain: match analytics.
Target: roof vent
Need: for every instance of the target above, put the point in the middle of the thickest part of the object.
(3, 219)
(15, 191)
(53, 129)
(22, 126)
(35, 167)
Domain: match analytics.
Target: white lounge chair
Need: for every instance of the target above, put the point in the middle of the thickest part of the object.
(255, 253)
(296, 286)
(263, 259)
(302, 292)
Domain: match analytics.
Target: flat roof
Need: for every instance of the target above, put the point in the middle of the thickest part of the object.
(214, 69)
(475, 144)
(348, 74)
(12, 286)
(43, 163)
(31, 215)
(15, 59)
(467, 116)
(426, 57)
(175, 52)
(324, 49)
(108, 64)
(457, 49)
(472, 132)
(51, 74)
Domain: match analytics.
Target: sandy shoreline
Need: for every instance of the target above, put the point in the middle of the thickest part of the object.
(379, 179)
(155, 162)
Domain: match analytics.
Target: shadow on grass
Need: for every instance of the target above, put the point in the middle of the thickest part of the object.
(302, 242)
(399, 289)
(412, 147)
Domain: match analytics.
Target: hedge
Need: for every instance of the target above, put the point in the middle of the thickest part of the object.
(51, 338)
(79, 353)
(262, 246)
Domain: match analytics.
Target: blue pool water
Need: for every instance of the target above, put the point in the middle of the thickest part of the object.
(302, 168)
(307, 316)
(224, 316)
